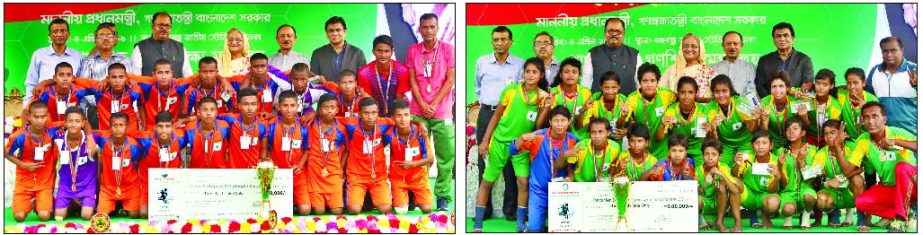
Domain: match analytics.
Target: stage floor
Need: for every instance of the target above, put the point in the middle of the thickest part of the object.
(502, 225)
(32, 219)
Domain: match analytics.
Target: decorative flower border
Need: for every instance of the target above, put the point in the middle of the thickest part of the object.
(433, 223)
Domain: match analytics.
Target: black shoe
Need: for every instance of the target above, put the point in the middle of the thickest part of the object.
(510, 217)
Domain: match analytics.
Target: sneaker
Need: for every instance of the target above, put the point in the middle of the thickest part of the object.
(897, 226)
(442, 204)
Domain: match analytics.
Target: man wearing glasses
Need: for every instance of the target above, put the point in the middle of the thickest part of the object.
(328, 60)
(44, 60)
(543, 45)
(96, 66)
(160, 46)
(613, 55)
(797, 64)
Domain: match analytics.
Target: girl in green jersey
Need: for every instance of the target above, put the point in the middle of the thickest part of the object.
(609, 106)
(515, 116)
(566, 91)
(717, 187)
(685, 117)
(728, 124)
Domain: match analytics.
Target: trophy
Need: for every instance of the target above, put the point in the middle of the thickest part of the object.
(265, 171)
(620, 186)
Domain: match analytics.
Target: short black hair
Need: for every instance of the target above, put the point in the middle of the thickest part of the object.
(105, 25)
(37, 104)
(164, 116)
(429, 16)
(63, 65)
(162, 62)
(598, 121)
(891, 38)
(648, 68)
(687, 80)
(615, 19)
(782, 25)
(760, 133)
(289, 94)
(367, 101)
(854, 71)
(792, 121)
(398, 104)
(825, 74)
(244, 93)
(346, 72)
(59, 21)
(259, 56)
(335, 20)
(544, 33)
(678, 140)
(118, 115)
(559, 110)
(712, 143)
(326, 98)
(287, 25)
(300, 68)
(75, 109)
(115, 66)
(503, 28)
(639, 130)
(779, 74)
(874, 104)
(832, 123)
(154, 17)
(207, 60)
(207, 99)
(732, 32)
(383, 39)
(609, 76)
(722, 79)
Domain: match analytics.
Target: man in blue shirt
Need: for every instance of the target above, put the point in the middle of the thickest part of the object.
(492, 73)
(44, 60)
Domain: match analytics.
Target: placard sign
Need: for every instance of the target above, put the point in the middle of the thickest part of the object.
(668, 206)
(214, 193)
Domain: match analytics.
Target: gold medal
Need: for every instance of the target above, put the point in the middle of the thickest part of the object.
(74, 187)
(429, 88)
(118, 192)
(373, 175)
(324, 172)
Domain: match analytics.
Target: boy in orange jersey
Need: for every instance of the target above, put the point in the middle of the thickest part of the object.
(326, 160)
(288, 147)
(30, 150)
(410, 161)
(161, 150)
(119, 180)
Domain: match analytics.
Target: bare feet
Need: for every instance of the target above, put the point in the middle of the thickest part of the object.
(737, 227)
(863, 228)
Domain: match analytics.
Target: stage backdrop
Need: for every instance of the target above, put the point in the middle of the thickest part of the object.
(836, 36)
(202, 28)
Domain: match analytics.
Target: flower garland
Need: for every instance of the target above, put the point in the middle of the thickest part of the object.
(432, 223)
